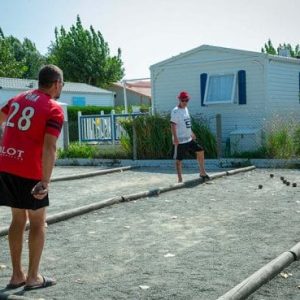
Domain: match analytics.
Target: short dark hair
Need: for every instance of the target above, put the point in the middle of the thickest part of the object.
(48, 75)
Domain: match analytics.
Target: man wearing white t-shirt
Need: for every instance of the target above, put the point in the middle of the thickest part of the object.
(184, 138)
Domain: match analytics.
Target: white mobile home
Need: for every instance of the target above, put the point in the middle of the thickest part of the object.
(246, 88)
(80, 94)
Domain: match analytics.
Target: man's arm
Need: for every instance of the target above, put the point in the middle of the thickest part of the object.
(174, 133)
(48, 160)
(2, 117)
(49, 156)
(193, 136)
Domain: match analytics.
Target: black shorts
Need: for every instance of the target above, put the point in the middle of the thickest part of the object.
(15, 191)
(181, 150)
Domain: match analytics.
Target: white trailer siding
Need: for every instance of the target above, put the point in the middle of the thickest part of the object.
(272, 86)
(184, 74)
(283, 89)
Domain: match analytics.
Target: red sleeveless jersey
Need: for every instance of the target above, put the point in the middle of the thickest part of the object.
(30, 116)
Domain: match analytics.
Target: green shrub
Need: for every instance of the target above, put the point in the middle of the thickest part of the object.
(205, 138)
(78, 150)
(154, 138)
(259, 153)
(112, 152)
(83, 150)
(145, 108)
(280, 138)
(297, 140)
(279, 144)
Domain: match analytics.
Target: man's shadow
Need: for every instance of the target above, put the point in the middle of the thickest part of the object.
(6, 293)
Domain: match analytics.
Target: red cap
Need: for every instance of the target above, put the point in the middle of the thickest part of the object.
(183, 95)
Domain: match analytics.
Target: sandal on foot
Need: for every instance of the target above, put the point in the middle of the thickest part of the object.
(47, 281)
(205, 177)
(12, 286)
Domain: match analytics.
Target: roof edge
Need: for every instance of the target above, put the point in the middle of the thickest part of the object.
(209, 47)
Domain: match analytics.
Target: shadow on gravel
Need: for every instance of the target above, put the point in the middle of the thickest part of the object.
(9, 295)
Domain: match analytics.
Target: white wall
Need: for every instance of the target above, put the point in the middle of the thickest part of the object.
(283, 90)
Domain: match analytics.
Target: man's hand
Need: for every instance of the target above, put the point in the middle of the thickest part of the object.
(193, 136)
(176, 141)
(40, 190)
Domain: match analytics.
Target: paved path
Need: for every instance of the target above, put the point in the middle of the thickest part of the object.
(192, 243)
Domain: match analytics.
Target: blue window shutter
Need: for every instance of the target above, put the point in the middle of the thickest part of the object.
(242, 87)
(203, 79)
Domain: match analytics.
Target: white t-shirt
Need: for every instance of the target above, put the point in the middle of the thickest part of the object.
(182, 119)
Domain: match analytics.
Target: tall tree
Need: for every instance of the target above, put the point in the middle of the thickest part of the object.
(19, 59)
(294, 51)
(270, 49)
(84, 56)
(9, 66)
(32, 59)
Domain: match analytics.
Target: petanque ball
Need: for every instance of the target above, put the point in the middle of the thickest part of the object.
(281, 177)
(260, 186)
(294, 184)
(271, 175)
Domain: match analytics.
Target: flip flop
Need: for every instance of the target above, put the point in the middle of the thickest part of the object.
(47, 281)
(12, 286)
(205, 177)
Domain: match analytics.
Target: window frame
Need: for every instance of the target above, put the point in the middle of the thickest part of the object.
(233, 89)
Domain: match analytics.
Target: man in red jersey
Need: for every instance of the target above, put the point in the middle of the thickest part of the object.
(33, 121)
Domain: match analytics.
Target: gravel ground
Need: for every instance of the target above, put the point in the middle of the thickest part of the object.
(192, 243)
(71, 194)
(74, 170)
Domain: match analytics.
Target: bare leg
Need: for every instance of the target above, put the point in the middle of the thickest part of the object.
(35, 244)
(200, 159)
(179, 170)
(15, 238)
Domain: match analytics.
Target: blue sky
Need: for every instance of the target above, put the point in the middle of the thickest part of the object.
(150, 31)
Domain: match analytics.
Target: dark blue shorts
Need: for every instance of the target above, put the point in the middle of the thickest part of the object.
(15, 191)
(181, 150)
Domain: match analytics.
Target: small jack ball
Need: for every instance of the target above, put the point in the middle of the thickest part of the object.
(271, 175)
(260, 186)
(294, 184)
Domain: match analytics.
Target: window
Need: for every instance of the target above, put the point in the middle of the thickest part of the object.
(78, 101)
(220, 88)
